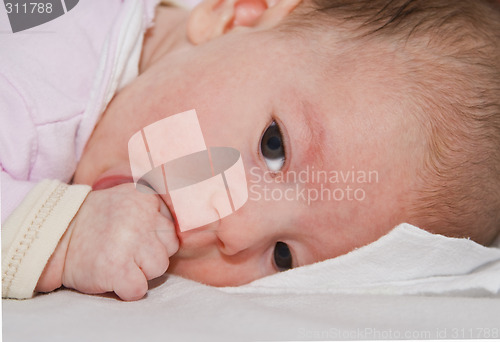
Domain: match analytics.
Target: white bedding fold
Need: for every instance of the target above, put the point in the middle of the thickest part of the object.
(408, 260)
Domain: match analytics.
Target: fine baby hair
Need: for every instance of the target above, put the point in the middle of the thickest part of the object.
(446, 63)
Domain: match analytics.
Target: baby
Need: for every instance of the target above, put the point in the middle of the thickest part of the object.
(410, 89)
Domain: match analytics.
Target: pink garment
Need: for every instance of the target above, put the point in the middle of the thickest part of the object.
(55, 81)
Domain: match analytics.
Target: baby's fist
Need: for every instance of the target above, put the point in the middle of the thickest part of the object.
(117, 242)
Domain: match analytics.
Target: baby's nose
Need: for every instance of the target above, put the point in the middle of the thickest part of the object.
(233, 241)
(240, 232)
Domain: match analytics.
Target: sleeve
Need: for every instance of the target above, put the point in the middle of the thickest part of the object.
(31, 233)
(18, 146)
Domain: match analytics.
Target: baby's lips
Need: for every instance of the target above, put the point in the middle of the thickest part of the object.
(111, 181)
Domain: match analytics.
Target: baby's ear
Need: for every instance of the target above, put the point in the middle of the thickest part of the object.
(213, 18)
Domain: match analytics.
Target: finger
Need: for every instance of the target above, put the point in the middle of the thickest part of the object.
(165, 232)
(152, 259)
(131, 283)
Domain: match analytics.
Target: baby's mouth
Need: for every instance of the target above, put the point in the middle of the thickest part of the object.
(195, 239)
(111, 181)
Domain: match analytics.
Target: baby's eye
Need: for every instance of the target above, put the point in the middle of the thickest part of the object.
(282, 257)
(272, 148)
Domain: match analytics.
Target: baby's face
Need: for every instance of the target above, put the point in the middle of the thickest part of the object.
(325, 149)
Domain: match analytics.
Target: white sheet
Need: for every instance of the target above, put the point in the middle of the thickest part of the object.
(459, 299)
(181, 310)
(408, 260)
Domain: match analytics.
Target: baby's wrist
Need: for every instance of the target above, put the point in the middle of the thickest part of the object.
(52, 275)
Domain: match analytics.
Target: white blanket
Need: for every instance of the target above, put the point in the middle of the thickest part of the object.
(408, 260)
(345, 298)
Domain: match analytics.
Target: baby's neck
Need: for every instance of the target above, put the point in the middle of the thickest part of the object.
(168, 34)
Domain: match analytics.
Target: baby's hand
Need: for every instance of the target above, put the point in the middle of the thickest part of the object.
(117, 242)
